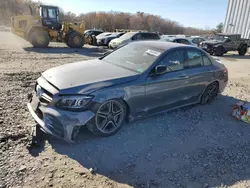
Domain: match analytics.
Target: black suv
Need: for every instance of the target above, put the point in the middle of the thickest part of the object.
(222, 43)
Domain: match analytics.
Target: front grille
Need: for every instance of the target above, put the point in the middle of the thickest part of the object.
(45, 97)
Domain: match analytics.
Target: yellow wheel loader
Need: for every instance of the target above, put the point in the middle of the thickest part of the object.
(46, 27)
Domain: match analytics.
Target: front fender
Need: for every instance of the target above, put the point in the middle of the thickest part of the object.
(107, 94)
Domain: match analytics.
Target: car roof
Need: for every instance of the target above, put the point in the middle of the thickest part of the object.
(162, 45)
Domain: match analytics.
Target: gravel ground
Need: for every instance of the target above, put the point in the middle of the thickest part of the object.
(198, 146)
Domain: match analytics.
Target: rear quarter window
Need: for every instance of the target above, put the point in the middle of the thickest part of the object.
(194, 58)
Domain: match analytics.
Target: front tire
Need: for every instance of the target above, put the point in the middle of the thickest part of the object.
(75, 40)
(243, 50)
(109, 118)
(210, 93)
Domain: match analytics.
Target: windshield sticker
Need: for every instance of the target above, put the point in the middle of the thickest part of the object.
(152, 52)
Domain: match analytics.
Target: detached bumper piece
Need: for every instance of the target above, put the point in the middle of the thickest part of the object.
(241, 111)
(48, 125)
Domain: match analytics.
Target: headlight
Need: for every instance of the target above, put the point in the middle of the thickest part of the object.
(74, 102)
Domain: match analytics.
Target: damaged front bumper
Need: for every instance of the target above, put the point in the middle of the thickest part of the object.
(59, 123)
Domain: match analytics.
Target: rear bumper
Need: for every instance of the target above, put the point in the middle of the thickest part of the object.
(59, 123)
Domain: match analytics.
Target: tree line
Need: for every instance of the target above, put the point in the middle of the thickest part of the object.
(108, 21)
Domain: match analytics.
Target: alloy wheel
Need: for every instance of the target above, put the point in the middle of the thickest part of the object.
(110, 116)
(210, 93)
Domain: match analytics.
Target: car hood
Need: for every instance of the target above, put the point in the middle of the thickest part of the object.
(212, 42)
(87, 76)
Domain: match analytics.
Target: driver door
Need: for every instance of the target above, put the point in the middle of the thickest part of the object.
(166, 91)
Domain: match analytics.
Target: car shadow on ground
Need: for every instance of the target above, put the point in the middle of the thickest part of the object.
(87, 51)
(197, 146)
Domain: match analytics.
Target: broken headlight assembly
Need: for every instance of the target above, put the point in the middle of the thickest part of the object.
(74, 102)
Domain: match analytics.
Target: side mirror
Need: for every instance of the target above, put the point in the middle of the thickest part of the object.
(160, 69)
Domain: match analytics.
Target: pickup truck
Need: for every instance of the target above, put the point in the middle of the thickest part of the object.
(222, 43)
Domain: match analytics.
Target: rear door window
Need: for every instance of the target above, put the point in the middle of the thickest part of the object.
(194, 59)
(147, 35)
(138, 36)
(206, 60)
(184, 41)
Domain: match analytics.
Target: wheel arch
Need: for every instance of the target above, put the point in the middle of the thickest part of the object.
(116, 94)
(214, 81)
(220, 46)
(241, 45)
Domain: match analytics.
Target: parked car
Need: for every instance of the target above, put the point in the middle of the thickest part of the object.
(90, 36)
(222, 43)
(179, 40)
(136, 80)
(196, 40)
(133, 36)
(105, 40)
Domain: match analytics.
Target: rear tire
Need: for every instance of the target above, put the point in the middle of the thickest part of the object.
(243, 50)
(219, 51)
(108, 120)
(75, 40)
(210, 93)
(39, 39)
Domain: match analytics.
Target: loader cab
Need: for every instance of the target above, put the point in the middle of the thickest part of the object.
(50, 17)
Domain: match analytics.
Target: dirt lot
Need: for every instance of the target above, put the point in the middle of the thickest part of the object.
(199, 146)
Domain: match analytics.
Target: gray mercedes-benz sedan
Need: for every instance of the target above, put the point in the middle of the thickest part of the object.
(136, 80)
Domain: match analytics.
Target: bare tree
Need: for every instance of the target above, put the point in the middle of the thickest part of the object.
(108, 21)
